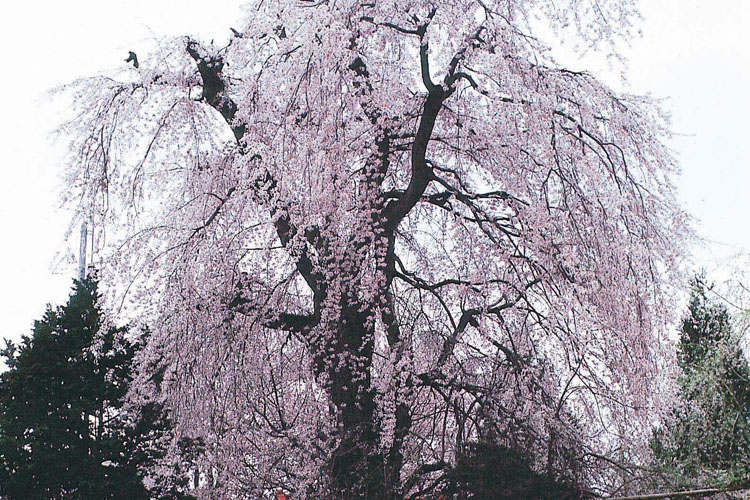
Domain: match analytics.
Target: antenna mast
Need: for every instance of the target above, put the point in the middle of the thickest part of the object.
(82, 252)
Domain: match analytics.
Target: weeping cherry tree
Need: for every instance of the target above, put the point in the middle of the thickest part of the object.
(369, 235)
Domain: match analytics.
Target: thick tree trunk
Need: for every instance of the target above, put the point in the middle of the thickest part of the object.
(358, 468)
(344, 361)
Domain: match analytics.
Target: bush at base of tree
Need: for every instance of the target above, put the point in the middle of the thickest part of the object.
(487, 470)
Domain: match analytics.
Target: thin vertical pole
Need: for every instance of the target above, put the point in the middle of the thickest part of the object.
(82, 252)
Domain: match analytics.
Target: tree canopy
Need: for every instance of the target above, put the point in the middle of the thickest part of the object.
(369, 234)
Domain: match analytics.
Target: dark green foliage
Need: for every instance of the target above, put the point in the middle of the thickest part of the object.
(710, 433)
(705, 325)
(487, 470)
(62, 428)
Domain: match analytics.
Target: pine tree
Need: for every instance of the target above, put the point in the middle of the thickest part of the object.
(63, 431)
(710, 434)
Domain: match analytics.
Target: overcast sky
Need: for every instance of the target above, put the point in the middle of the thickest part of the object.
(693, 54)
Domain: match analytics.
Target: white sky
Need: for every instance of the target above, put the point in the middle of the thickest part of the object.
(694, 54)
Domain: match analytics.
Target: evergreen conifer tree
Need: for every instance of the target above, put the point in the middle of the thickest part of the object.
(63, 429)
(709, 437)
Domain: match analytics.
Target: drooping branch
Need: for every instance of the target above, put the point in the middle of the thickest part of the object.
(216, 95)
(216, 211)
